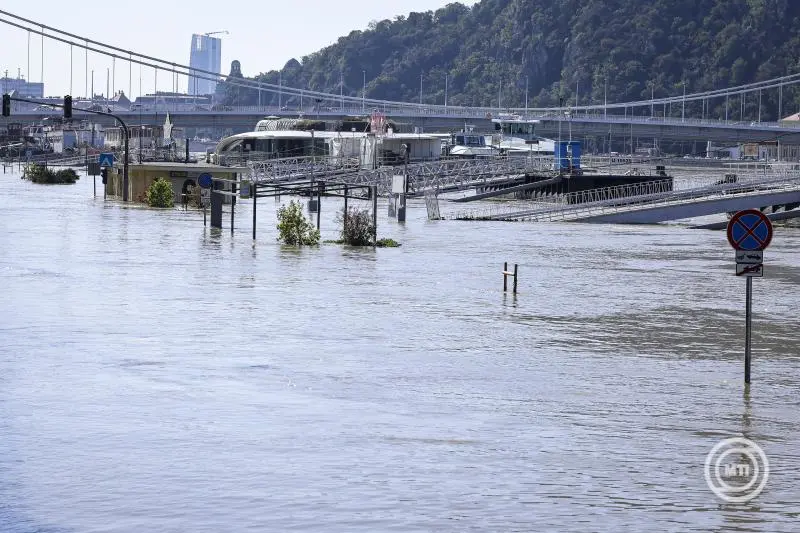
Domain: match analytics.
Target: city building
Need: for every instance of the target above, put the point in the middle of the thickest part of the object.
(21, 88)
(206, 54)
(147, 137)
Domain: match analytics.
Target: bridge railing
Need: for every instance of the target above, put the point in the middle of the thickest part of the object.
(556, 202)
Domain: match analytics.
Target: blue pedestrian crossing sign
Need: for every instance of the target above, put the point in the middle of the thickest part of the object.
(106, 159)
(749, 230)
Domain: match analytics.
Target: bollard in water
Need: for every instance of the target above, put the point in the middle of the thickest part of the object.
(515, 278)
(507, 273)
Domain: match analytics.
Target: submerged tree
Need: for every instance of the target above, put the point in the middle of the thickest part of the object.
(294, 228)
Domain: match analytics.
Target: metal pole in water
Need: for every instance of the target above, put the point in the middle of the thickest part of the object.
(319, 202)
(505, 277)
(748, 329)
(515, 278)
(233, 203)
(375, 211)
(255, 197)
(344, 219)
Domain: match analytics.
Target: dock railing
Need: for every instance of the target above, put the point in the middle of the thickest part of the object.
(619, 198)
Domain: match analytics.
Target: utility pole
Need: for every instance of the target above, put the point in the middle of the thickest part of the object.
(341, 89)
(280, 89)
(652, 93)
(363, 90)
(605, 98)
(445, 90)
(420, 88)
(780, 102)
(726, 107)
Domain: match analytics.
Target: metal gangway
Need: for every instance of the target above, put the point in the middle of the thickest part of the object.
(438, 176)
(601, 205)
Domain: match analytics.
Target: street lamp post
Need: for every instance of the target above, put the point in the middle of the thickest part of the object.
(683, 103)
(759, 106)
(124, 130)
(526, 96)
(500, 96)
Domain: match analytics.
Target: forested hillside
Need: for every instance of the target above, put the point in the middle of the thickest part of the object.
(559, 48)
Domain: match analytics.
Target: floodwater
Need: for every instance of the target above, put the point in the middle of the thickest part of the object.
(160, 376)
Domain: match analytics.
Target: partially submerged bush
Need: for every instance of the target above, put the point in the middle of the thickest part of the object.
(41, 174)
(357, 227)
(160, 194)
(294, 228)
(387, 243)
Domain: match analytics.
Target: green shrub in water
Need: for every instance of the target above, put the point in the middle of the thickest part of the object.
(160, 194)
(294, 228)
(41, 174)
(357, 227)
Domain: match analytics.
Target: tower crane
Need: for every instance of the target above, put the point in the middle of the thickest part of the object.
(216, 32)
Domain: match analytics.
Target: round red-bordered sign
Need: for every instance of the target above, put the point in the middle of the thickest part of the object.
(749, 230)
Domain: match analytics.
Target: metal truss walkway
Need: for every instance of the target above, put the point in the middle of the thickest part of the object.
(438, 176)
(649, 203)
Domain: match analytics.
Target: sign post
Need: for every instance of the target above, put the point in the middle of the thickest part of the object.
(749, 233)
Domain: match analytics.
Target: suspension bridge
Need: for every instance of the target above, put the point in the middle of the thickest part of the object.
(737, 119)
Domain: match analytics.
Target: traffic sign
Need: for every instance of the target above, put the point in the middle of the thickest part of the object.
(106, 159)
(749, 230)
(756, 257)
(205, 180)
(749, 271)
(398, 184)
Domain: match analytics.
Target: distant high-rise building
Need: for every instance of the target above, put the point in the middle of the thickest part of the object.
(22, 88)
(206, 54)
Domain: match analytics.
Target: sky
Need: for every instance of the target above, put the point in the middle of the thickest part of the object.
(263, 36)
